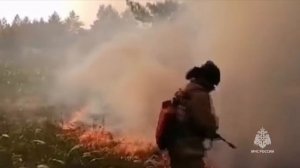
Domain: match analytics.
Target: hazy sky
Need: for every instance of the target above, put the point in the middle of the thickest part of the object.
(86, 9)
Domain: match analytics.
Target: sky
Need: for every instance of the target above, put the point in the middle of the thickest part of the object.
(36, 9)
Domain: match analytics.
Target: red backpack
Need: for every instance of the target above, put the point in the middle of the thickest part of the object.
(166, 122)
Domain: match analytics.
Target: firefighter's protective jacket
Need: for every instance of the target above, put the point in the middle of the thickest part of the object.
(187, 147)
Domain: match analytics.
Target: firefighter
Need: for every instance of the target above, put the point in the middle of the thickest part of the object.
(189, 119)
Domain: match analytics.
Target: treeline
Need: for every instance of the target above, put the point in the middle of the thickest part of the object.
(30, 50)
(41, 39)
(52, 37)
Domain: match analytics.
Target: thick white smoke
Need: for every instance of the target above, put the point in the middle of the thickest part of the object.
(127, 78)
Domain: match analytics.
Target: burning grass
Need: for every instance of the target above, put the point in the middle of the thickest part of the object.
(47, 141)
(96, 138)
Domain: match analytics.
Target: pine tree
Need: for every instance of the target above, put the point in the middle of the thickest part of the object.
(17, 21)
(74, 25)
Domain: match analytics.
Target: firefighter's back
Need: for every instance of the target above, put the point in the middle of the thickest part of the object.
(187, 150)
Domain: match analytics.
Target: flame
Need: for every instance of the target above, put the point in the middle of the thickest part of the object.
(78, 115)
(96, 137)
(103, 140)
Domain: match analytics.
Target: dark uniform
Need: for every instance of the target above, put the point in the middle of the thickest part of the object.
(187, 150)
(195, 121)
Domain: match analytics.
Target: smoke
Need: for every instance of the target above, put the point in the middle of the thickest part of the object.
(126, 79)
(255, 45)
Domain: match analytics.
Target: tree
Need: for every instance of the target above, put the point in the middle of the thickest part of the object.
(73, 24)
(153, 12)
(163, 10)
(140, 12)
(107, 17)
(42, 21)
(107, 24)
(55, 31)
(26, 21)
(54, 18)
(3, 24)
(17, 21)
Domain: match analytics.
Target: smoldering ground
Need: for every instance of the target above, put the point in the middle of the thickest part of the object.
(255, 45)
